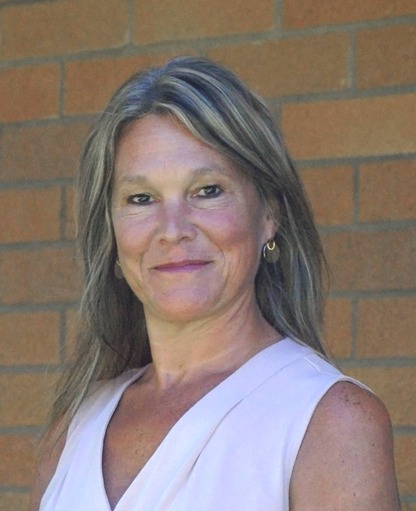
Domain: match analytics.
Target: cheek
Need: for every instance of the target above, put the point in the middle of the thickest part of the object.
(236, 230)
(132, 237)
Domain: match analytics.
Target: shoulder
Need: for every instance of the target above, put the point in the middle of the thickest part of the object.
(102, 395)
(53, 444)
(346, 458)
(349, 406)
(48, 458)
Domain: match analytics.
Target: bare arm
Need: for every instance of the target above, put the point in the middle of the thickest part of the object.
(46, 467)
(346, 459)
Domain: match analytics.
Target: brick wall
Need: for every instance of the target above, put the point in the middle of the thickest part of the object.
(340, 76)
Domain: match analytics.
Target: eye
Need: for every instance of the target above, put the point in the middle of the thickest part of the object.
(209, 191)
(140, 198)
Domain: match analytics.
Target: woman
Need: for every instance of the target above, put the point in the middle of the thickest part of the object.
(200, 381)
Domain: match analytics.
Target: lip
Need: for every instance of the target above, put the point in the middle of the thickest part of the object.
(181, 266)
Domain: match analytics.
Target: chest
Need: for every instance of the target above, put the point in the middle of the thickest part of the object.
(136, 430)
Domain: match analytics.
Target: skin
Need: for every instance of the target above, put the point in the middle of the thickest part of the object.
(346, 460)
(190, 229)
(177, 200)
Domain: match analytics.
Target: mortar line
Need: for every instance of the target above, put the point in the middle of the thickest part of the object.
(278, 17)
(354, 328)
(208, 41)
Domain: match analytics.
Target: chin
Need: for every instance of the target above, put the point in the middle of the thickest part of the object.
(178, 309)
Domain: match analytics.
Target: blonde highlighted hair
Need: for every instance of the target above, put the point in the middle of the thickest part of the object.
(215, 106)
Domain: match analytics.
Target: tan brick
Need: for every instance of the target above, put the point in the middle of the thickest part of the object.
(29, 93)
(29, 338)
(406, 506)
(396, 386)
(348, 128)
(371, 260)
(14, 501)
(388, 191)
(321, 64)
(25, 399)
(174, 20)
(71, 26)
(405, 451)
(38, 276)
(338, 332)
(82, 77)
(386, 56)
(330, 190)
(30, 215)
(69, 214)
(308, 13)
(17, 453)
(387, 327)
(44, 156)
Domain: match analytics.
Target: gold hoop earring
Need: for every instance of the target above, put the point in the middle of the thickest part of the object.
(271, 252)
(118, 272)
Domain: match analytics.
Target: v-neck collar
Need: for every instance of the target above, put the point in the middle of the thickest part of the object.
(174, 457)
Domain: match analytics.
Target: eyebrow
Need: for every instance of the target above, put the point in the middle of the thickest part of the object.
(145, 180)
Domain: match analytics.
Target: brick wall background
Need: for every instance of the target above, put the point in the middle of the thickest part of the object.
(340, 76)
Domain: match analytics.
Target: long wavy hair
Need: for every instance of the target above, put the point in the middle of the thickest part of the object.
(217, 108)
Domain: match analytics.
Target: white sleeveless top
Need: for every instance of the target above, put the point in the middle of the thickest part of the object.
(234, 450)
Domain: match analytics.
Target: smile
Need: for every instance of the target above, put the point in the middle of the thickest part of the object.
(181, 266)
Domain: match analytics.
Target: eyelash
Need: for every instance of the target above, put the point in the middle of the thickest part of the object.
(218, 191)
(131, 199)
(148, 199)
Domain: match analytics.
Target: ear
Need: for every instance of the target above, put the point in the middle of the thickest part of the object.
(270, 221)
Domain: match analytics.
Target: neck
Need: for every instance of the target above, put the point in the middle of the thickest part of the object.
(188, 352)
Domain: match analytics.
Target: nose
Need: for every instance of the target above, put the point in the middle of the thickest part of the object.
(176, 223)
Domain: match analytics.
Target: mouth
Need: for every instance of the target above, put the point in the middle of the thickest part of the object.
(181, 266)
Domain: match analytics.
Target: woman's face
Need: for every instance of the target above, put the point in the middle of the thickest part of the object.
(189, 226)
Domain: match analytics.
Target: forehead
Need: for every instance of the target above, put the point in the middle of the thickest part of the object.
(157, 143)
(155, 135)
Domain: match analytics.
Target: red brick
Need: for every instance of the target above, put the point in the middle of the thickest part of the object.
(30, 215)
(371, 260)
(38, 276)
(174, 20)
(388, 191)
(29, 93)
(405, 450)
(338, 332)
(330, 190)
(44, 156)
(17, 465)
(397, 388)
(387, 327)
(69, 214)
(350, 128)
(29, 338)
(25, 398)
(386, 56)
(321, 64)
(63, 27)
(308, 13)
(14, 501)
(82, 94)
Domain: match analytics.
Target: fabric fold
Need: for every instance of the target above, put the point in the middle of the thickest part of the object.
(234, 449)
